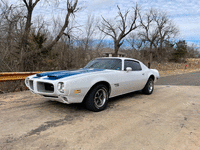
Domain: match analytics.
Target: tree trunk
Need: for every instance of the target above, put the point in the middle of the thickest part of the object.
(24, 41)
(160, 51)
(150, 56)
(116, 49)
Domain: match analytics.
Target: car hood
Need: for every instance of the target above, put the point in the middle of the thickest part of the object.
(62, 74)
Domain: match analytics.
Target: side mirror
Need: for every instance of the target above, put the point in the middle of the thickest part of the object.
(128, 69)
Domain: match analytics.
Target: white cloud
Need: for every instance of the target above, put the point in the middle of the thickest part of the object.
(185, 13)
(98, 4)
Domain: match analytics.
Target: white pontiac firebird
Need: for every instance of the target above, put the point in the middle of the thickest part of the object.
(101, 79)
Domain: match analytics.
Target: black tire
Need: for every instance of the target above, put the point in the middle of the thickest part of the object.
(97, 98)
(149, 87)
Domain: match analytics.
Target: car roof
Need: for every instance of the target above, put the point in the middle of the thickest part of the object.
(122, 58)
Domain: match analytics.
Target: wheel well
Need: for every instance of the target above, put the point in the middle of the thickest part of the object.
(152, 76)
(101, 82)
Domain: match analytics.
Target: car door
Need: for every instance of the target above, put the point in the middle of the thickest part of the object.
(134, 80)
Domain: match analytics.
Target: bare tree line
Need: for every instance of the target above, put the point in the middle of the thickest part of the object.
(28, 45)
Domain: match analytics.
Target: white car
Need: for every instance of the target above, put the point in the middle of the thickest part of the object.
(101, 79)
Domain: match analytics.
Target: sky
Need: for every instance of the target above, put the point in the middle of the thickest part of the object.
(184, 13)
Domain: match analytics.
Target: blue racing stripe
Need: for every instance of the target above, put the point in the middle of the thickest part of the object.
(62, 74)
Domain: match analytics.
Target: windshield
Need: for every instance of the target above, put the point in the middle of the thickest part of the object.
(113, 64)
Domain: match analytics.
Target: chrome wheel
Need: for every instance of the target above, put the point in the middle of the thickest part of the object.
(150, 87)
(97, 98)
(100, 98)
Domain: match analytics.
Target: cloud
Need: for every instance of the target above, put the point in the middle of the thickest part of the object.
(184, 13)
(100, 4)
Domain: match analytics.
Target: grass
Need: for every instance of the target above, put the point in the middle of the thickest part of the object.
(167, 69)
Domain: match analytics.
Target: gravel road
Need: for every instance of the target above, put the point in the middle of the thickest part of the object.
(168, 119)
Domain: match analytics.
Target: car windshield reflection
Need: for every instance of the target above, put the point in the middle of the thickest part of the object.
(113, 64)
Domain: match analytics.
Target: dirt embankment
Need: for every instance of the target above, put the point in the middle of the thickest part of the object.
(12, 86)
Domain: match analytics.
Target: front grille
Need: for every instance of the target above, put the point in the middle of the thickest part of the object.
(31, 84)
(45, 87)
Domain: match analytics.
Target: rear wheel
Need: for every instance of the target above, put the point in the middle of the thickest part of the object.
(97, 98)
(149, 87)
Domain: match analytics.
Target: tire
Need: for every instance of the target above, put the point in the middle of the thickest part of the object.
(149, 87)
(97, 98)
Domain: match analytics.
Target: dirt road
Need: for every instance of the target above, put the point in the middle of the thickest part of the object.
(166, 120)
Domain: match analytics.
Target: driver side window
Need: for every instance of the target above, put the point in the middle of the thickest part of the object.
(133, 64)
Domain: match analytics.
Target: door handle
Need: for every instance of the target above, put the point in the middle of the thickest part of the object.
(143, 74)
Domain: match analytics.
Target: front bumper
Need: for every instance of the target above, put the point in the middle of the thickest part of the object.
(48, 90)
(59, 98)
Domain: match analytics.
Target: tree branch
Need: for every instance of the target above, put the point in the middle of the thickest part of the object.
(34, 4)
(106, 32)
(25, 2)
(70, 7)
(109, 27)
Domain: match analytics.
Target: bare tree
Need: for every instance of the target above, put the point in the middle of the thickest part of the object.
(156, 29)
(193, 51)
(149, 32)
(71, 9)
(9, 18)
(135, 41)
(64, 48)
(166, 29)
(89, 31)
(30, 5)
(118, 30)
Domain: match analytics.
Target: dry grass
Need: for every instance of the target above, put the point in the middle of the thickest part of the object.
(176, 71)
(166, 69)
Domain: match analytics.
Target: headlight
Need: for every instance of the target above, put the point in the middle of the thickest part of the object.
(61, 87)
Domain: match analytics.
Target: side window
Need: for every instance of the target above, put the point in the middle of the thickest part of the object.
(115, 64)
(133, 64)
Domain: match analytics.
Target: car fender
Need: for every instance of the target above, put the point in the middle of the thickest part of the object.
(84, 85)
(99, 80)
(154, 73)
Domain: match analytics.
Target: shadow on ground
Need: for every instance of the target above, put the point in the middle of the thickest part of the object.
(80, 107)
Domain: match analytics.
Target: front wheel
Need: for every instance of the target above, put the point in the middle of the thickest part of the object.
(149, 87)
(97, 98)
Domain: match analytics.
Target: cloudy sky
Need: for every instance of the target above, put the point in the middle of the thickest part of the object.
(184, 13)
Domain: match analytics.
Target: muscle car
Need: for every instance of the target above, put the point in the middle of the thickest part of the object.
(101, 79)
